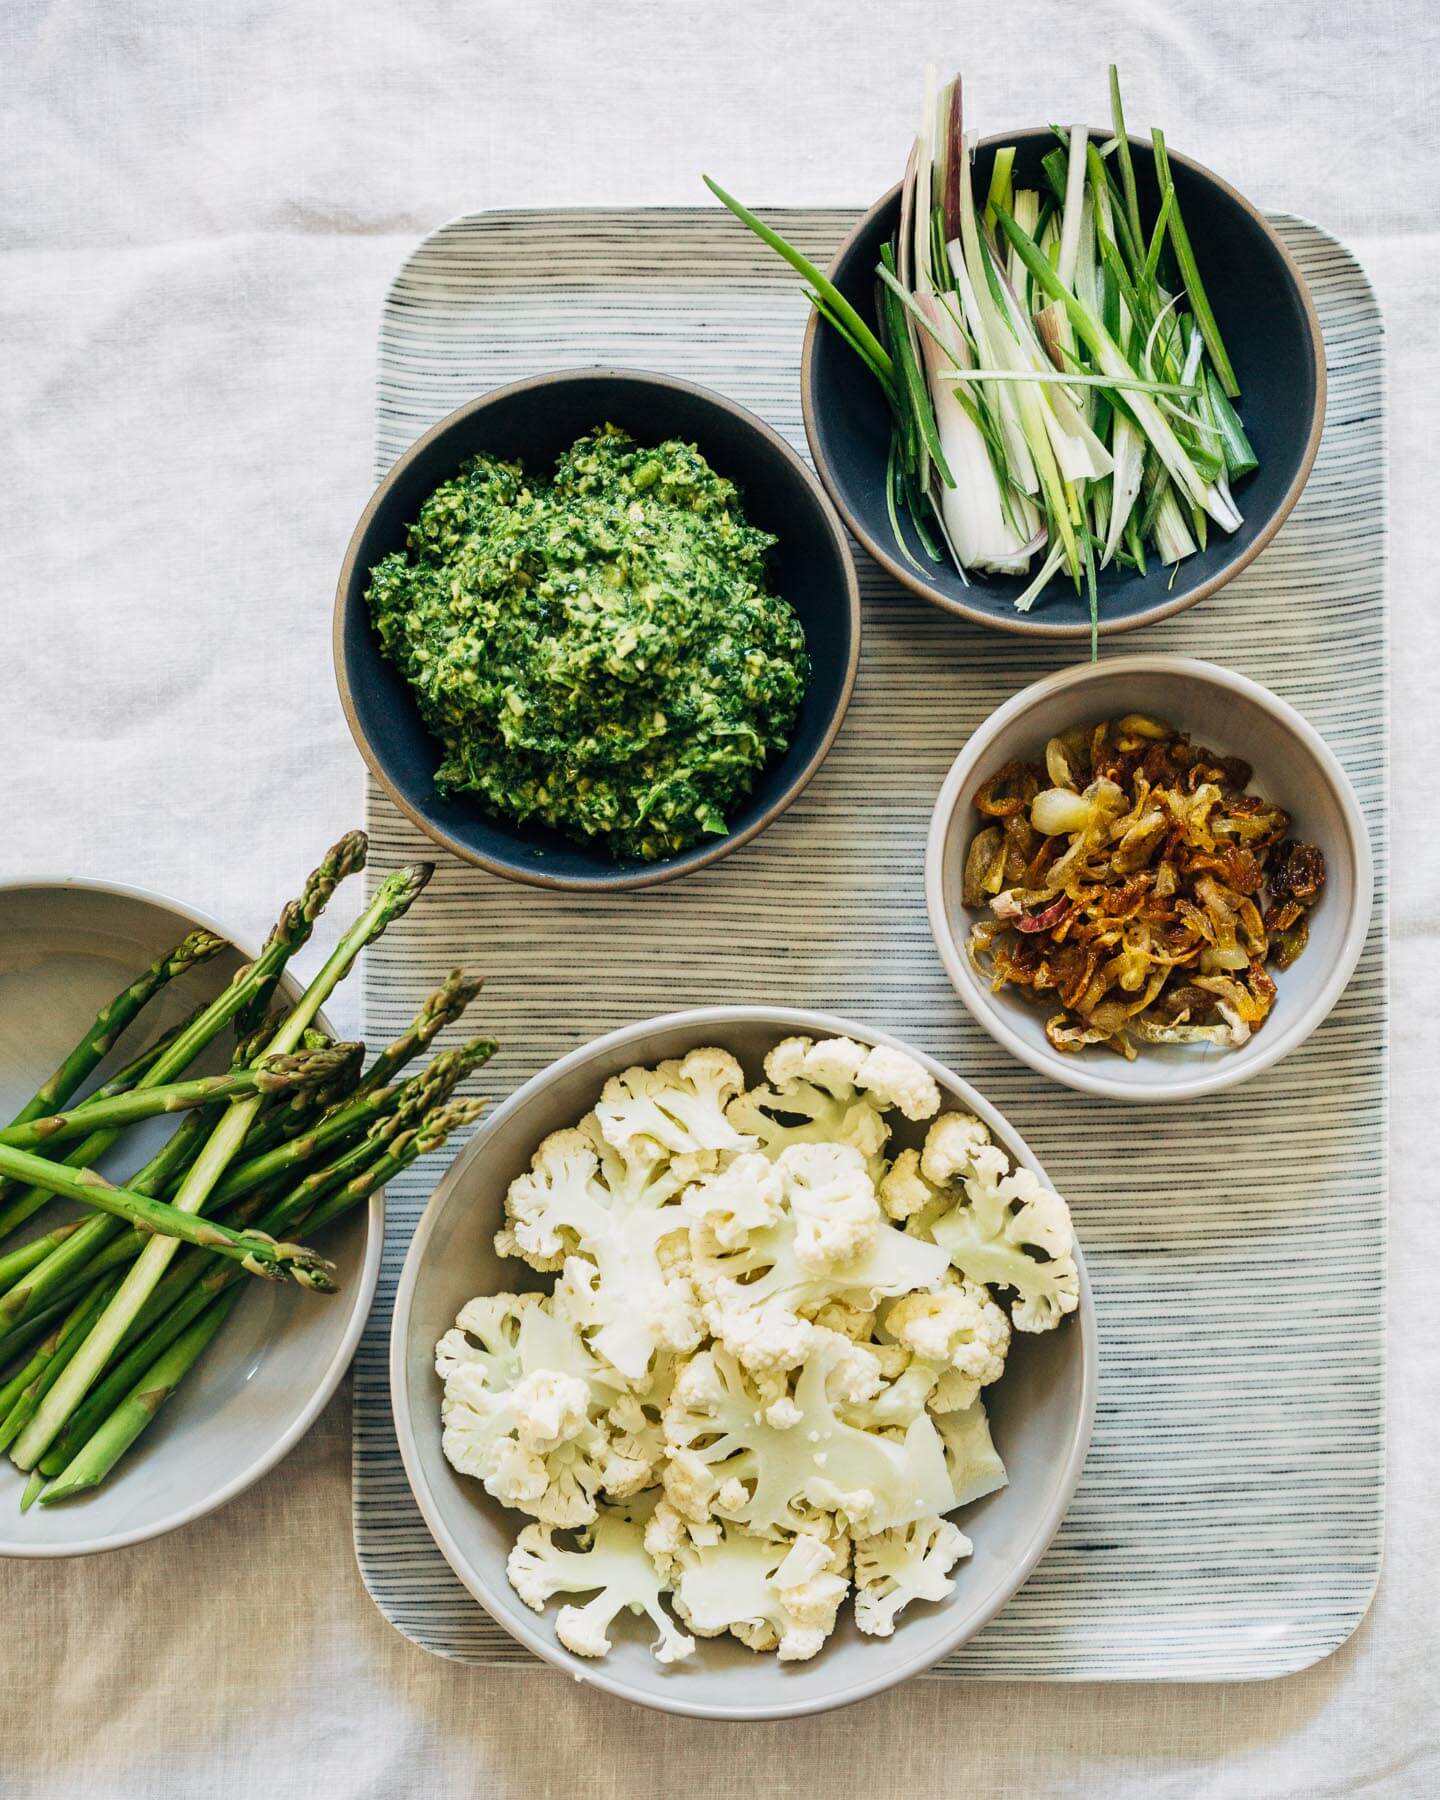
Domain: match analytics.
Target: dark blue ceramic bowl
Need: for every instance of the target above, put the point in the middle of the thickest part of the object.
(1270, 329)
(535, 421)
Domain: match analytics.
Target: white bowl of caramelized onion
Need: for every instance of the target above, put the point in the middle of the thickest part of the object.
(1148, 878)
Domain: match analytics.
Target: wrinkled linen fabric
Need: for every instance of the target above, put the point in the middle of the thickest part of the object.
(201, 209)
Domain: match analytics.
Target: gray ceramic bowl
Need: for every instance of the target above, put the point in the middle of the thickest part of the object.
(534, 421)
(1041, 1411)
(1293, 765)
(66, 947)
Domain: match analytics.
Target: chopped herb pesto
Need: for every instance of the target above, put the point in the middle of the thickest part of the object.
(600, 653)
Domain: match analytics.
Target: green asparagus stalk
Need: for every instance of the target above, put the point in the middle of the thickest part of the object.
(433, 1084)
(140, 1406)
(45, 1365)
(292, 930)
(271, 1075)
(111, 1020)
(304, 1070)
(30, 1201)
(440, 1009)
(391, 900)
(296, 922)
(246, 1197)
(259, 1254)
(19, 1262)
(90, 1418)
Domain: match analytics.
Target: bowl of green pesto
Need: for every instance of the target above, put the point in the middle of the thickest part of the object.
(597, 629)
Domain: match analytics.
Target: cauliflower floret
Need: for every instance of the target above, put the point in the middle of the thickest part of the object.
(818, 1461)
(993, 1239)
(612, 1562)
(971, 1459)
(512, 1442)
(612, 1207)
(958, 1329)
(679, 1105)
(636, 1449)
(832, 1201)
(850, 1320)
(892, 1078)
(747, 1195)
(812, 1100)
(951, 1145)
(909, 1562)
(520, 1388)
(757, 1301)
(549, 1410)
(903, 1190)
(773, 1593)
(1003, 1228)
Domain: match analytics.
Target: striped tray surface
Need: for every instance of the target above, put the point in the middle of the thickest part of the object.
(1229, 1521)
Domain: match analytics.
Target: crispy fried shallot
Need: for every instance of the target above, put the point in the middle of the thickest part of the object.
(1133, 878)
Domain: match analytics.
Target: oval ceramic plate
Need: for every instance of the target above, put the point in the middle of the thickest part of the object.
(1040, 1412)
(65, 948)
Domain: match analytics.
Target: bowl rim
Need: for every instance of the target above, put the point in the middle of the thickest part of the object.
(366, 1281)
(1031, 624)
(1071, 1071)
(700, 856)
(546, 1645)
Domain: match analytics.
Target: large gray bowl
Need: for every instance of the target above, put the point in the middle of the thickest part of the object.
(66, 947)
(1041, 1412)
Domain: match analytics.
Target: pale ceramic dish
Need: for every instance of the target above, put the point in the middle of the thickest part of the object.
(1041, 1411)
(1293, 766)
(65, 948)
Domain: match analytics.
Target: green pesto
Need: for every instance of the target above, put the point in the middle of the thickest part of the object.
(600, 654)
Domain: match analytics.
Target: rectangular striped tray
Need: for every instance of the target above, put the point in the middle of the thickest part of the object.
(1228, 1524)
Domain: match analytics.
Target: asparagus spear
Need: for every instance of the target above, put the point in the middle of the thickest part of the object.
(292, 930)
(259, 1254)
(440, 1009)
(158, 1361)
(140, 1406)
(121, 1082)
(427, 1089)
(438, 1079)
(271, 1075)
(111, 1020)
(45, 1365)
(391, 900)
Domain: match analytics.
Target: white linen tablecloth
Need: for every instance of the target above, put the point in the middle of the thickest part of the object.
(199, 210)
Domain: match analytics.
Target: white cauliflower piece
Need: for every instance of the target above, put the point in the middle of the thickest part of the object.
(958, 1329)
(812, 1100)
(892, 1078)
(818, 1461)
(832, 1201)
(951, 1145)
(1003, 1228)
(772, 1593)
(614, 1564)
(613, 1208)
(549, 1409)
(678, 1106)
(756, 1299)
(747, 1195)
(520, 1388)
(908, 1562)
(903, 1189)
(971, 1459)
